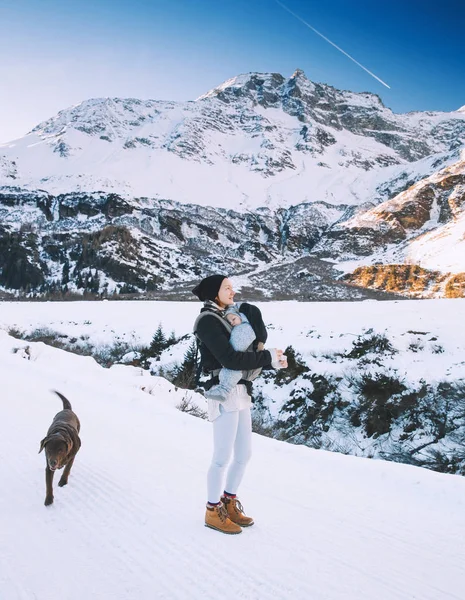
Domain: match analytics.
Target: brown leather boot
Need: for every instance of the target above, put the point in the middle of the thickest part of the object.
(236, 511)
(217, 518)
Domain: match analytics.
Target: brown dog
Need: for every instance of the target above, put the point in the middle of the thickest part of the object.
(61, 446)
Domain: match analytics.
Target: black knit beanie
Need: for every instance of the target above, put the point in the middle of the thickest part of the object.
(209, 287)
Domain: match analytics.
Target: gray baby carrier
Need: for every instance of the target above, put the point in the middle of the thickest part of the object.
(247, 376)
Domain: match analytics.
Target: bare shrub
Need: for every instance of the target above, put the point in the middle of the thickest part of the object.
(379, 401)
(437, 349)
(370, 343)
(15, 332)
(106, 355)
(186, 405)
(416, 346)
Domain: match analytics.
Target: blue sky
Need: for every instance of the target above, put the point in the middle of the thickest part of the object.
(57, 53)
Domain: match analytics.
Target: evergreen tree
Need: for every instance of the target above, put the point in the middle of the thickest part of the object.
(186, 375)
(88, 280)
(65, 273)
(158, 343)
(95, 283)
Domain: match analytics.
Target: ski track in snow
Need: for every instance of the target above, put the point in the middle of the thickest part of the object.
(95, 502)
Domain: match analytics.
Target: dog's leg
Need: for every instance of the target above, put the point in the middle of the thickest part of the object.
(48, 486)
(64, 478)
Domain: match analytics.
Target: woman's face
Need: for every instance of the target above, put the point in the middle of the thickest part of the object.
(225, 294)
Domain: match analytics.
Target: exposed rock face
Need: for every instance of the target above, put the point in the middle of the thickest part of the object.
(413, 214)
(358, 241)
(157, 245)
(409, 280)
(8, 169)
(101, 244)
(362, 114)
(393, 226)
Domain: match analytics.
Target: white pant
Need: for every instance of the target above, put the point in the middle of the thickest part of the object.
(237, 399)
(232, 431)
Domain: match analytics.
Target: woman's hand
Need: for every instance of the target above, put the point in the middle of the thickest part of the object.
(282, 359)
(279, 359)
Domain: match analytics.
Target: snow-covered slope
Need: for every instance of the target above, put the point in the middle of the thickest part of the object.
(376, 379)
(257, 140)
(423, 225)
(129, 525)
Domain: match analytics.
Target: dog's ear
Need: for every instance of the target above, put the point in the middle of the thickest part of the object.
(76, 442)
(42, 444)
(68, 437)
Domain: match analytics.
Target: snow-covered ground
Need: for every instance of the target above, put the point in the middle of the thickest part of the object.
(314, 329)
(129, 525)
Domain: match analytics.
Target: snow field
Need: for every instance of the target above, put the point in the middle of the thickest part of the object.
(129, 525)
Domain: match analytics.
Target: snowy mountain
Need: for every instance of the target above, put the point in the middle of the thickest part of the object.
(257, 140)
(256, 174)
(129, 524)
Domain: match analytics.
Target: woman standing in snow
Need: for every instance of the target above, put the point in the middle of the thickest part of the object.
(232, 423)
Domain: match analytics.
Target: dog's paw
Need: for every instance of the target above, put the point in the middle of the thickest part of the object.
(62, 482)
(48, 500)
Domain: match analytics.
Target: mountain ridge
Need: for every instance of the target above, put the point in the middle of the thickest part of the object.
(261, 170)
(271, 140)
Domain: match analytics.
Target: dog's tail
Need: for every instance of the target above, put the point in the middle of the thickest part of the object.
(66, 402)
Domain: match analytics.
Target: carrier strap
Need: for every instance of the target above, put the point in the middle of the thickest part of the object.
(225, 323)
(214, 374)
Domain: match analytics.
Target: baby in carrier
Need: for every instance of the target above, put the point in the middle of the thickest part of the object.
(242, 338)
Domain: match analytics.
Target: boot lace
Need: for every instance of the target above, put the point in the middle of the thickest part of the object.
(222, 512)
(238, 506)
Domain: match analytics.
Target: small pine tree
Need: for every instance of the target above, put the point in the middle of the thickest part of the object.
(158, 343)
(185, 377)
(79, 281)
(65, 273)
(95, 283)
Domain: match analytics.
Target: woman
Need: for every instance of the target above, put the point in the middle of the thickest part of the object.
(232, 423)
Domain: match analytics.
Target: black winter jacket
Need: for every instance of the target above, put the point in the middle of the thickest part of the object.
(217, 352)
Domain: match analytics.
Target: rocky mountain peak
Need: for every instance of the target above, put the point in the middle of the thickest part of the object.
(298, 73)
(256, 87)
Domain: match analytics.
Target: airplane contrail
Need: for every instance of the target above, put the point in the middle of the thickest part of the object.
(330, 42)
